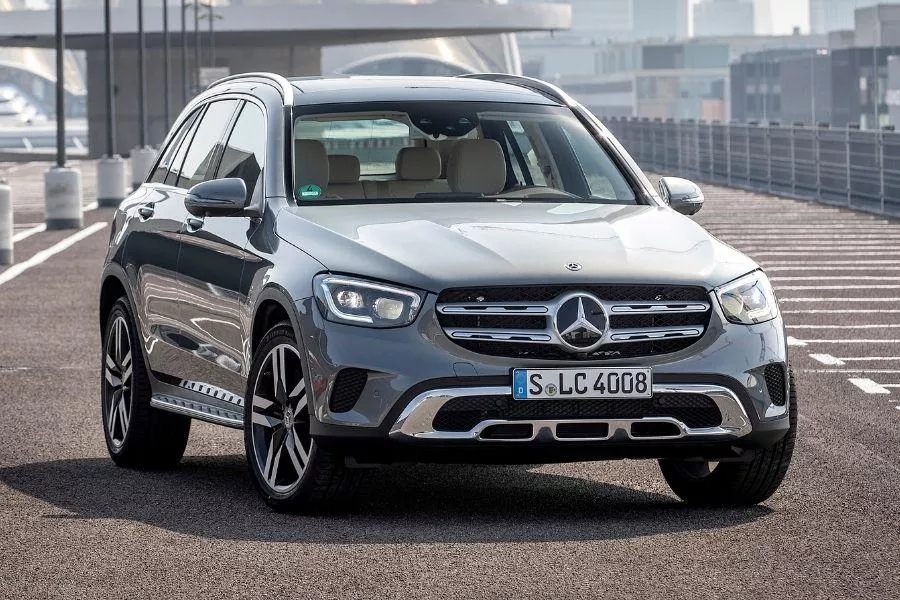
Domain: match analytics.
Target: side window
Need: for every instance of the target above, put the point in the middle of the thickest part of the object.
(199, 160)
(178, 161)
(164, 167)
(528, 152)
(244, 154)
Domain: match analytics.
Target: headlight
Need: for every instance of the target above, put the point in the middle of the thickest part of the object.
(359, 302)
(748, 300)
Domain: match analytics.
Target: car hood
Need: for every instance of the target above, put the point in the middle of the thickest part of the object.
(434, 246)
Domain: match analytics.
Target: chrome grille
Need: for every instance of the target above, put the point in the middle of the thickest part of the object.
(644, 320)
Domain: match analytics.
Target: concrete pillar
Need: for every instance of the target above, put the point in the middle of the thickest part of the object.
(142, 160)
(6, 224)
(62, 198)
(112, 180)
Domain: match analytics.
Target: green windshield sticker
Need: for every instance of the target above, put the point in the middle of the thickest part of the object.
(310, 190)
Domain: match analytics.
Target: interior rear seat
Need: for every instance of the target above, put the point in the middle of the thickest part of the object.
(343, 176)
(418, 171)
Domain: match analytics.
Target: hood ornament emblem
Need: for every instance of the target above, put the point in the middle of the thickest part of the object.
(573, 266)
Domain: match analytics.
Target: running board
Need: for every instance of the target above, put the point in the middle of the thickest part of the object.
(198, 410)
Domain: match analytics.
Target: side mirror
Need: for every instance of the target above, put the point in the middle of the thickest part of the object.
(217, 197)
(682, 195)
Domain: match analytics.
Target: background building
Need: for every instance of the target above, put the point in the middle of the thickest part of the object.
(831, 15)
(661, 19)
(724, 18)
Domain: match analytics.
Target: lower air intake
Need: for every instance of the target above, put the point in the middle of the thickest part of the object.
(348, 386)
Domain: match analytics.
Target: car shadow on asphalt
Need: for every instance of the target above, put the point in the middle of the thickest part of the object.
(212, 497)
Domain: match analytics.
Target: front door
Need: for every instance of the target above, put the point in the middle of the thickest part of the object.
(211, 265)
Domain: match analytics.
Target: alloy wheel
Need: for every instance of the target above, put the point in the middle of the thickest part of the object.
(280, 420)
(118, 382)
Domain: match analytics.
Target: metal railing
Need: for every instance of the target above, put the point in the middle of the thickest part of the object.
(846, 167)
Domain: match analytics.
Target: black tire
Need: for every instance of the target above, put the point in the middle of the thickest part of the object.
(324, 482)
(138, 435)
(735, 483)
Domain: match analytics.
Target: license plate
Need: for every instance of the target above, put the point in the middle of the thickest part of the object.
(542, 384)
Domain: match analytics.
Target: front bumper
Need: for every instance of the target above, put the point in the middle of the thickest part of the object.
(413, 371)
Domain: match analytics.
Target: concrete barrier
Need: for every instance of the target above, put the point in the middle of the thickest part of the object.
(112, 180)
(142, 160)
(6, 224)
(62, 198)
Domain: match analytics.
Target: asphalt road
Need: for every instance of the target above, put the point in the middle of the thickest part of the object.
(72, 525)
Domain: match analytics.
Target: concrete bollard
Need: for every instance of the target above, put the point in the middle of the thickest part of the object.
(142, 160)
(62, 198)
(112, 181)
(6, 224)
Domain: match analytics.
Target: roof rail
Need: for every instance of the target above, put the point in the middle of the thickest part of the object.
(284, 86)
(542, 87)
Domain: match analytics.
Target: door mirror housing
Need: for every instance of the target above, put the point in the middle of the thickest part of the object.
(682, 195)
(217, 197)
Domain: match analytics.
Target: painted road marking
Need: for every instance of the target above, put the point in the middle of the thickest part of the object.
(883, 326)
(869, 386)
(848, 371)
(29, 232)
(792, 341)
(804, 268)
(839, 300)
(839, 311)
(836, 287)
(43, 255)
(827, 359)
(805, 263)
(834, 278)
(805, 342)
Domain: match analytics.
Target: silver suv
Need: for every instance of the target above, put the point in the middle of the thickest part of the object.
(361, 270)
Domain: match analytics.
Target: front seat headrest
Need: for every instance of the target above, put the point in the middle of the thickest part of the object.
(477, 167)
(418, 163)
(310, 164)
(343, 168)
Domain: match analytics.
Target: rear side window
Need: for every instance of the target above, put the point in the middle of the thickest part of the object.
(207, 144)
(164, 167)
(244, 154)
(375, 142)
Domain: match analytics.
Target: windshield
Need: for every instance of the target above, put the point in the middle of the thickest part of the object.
(451, 151)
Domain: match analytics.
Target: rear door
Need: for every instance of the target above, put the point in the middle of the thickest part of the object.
(212, 260)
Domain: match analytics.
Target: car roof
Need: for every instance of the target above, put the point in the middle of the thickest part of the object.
(329, 90)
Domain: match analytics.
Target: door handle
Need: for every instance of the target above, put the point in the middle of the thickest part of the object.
(194, 223)
(145, 211)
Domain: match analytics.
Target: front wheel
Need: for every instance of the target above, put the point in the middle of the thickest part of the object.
(290, 471)
(735, 483)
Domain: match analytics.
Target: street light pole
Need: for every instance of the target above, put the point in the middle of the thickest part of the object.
(167, 108)
(212, 40)
(184, 77)
(197, 39)
(60, 88)
(142, 97)
(110, 82)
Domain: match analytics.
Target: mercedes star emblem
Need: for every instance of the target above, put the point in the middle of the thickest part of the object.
(580, 322)
(573, 266)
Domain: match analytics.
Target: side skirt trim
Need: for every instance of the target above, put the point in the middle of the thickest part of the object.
(198, 410)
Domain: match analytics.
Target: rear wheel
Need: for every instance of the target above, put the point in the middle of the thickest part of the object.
(290, 471)
(735, 483)
(137, 435)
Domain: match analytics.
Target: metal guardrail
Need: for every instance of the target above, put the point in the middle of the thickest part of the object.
(845, 167)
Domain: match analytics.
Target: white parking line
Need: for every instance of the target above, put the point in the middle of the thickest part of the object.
(792, 341)
(827, 359)
(874, 341)
(839, 299)
(805, 267)
(836, 287)
(820, 253)
(882, 326)
(38, 258)
(834, 278)
(841, 311)
(868, 386)
(29, 232)
(830, 263)
(848, 371)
